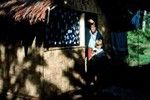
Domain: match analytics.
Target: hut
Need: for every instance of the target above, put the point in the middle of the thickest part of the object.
(34, 62)
(42, 43)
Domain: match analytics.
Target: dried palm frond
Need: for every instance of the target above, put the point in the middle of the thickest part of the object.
(31, 10)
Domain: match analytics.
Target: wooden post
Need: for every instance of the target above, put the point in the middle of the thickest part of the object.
(144, 23)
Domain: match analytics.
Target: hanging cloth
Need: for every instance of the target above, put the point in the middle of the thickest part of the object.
(119, 43)
(136, 20)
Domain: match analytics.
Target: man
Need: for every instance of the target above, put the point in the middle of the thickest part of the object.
(92, 35)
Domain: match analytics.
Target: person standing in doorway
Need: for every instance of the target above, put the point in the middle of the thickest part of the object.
(92, 36)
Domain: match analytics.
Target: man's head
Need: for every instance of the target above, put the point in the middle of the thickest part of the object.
(93, 28)
(92, 25)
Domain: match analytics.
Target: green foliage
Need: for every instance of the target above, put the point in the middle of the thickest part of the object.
(139, 44)
(146, 33)
(138, 47)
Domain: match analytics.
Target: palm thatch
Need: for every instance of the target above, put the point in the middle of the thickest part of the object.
(31, 10)
(34, 10)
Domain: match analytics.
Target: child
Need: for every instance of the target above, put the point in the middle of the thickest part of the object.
(96, 53)
(98, 48)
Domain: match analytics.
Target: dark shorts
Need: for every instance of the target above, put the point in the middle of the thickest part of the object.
(97, 63)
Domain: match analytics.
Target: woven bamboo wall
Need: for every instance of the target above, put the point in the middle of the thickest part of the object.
(41, 74)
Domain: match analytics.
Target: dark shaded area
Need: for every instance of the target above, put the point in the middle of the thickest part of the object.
(116, 80)
(119, 13)
(21, 33)
(14, 36)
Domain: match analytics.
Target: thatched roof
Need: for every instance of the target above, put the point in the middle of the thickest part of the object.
(34, 10)
(31, 10)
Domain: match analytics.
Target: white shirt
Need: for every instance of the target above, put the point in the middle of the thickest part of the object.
(92, 40)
